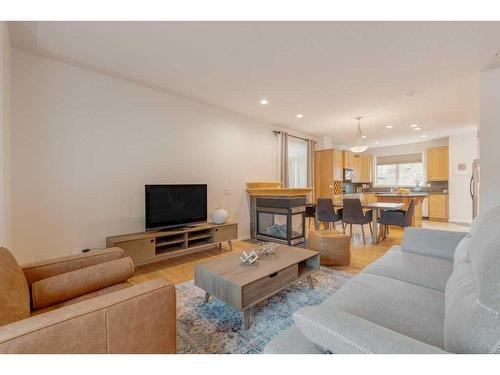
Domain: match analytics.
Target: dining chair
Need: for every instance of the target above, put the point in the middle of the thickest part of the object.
(353, 214)
(400, 218)
(326, 212)
(310, 213)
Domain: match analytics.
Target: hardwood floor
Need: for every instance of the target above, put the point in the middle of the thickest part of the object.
(179, 270)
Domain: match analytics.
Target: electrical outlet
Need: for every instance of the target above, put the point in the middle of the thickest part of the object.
(227, 192)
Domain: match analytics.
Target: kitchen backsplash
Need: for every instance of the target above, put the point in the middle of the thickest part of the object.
(436, 187)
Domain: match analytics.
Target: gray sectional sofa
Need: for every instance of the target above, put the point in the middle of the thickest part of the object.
(439, 292)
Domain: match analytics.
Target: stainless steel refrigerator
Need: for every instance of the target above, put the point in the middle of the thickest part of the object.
(474, 188)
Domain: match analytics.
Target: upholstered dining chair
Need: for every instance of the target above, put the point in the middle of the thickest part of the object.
(400, 218)
(310, 213)
(353, 214)
(326, 212)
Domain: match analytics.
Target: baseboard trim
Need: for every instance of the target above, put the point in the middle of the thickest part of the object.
(462, 224)
(243, 237)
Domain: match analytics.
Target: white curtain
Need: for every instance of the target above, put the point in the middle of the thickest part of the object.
(283, 139)
(311, 149)
(296, 161)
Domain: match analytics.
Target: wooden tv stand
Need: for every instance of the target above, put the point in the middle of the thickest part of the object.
(154, 246)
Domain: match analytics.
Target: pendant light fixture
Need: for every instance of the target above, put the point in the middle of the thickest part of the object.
(358, 146)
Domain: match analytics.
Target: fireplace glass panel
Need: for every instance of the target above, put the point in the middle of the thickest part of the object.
(297, 229)
(272, 224)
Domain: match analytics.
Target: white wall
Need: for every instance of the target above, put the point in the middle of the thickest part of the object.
(462, 148)
(325, 142)
(85, 144)
(489, 139)
(407, 149)
(5, 76)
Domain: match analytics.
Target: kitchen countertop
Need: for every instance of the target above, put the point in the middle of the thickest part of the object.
(422, 193)
(402, 194)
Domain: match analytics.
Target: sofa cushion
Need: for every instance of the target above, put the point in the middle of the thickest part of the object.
(346, 333)
(14, 293)
(409, 309)
(483, 217)
(69, 285)
(51, 267)
(97, 293)
(416, 269)
(431, 242)
(291, 341)
(472, 319)
(461, 251)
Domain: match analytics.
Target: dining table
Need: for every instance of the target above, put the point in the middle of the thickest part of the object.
(376, 207)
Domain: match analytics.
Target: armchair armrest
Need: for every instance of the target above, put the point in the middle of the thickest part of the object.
(42, 270)
(139, 319)
(431, 242)
(344, 333)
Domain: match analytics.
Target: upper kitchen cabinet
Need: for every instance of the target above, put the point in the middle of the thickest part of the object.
(338, 166)
(437, 164)
(328, 169)
(356, 166)
(362, 169)
(365, 172)
(348, 159)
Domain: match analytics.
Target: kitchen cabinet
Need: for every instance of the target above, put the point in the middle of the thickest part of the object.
(348, 158)
(437, 164)
(328, 169)
(370, 197)
(338, 167)
(365, 172)
(438, 207)
(356, 166)
(362, 169)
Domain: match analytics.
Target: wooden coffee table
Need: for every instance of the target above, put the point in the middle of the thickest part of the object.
(243, 286)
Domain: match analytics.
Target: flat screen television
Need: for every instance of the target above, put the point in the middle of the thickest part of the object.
(170, 206)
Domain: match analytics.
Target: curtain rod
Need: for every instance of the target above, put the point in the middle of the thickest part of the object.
(278, 132)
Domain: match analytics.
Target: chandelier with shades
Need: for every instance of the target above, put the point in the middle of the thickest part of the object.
(358, 145)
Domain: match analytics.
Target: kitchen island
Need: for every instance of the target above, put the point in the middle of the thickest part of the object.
(405, 199)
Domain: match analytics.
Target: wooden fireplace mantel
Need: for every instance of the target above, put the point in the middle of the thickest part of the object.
(274, 189)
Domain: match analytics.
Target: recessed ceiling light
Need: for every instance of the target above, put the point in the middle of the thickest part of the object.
(299, 115)
(264, 102)
(388, 127)
(377, 142)
(363, 136)
(424, 136)
(413, 126)
(417, 129)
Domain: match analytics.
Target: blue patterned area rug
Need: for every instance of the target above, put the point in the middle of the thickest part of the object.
(218, 328)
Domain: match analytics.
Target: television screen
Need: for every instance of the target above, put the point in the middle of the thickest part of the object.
(175, 205)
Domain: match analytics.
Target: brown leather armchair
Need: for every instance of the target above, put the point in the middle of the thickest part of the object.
(83, 304)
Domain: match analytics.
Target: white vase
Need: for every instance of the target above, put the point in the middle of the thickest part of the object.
(219, 215)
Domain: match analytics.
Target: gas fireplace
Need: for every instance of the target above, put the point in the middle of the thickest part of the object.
(281, 219)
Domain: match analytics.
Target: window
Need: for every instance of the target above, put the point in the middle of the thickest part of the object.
(297, 162)
(400, 170)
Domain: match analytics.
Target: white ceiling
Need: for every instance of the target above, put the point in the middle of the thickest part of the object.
(329, 71)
